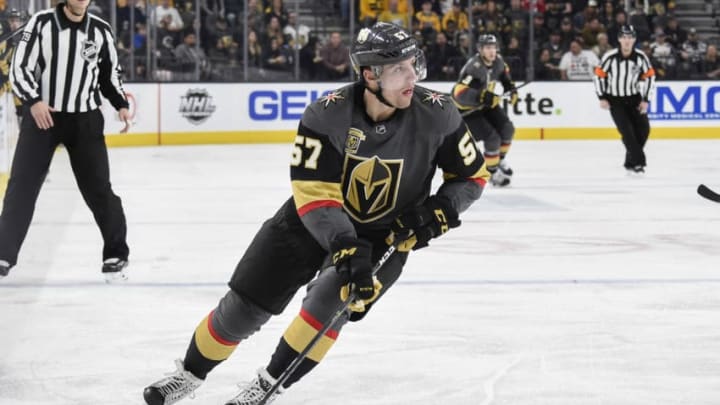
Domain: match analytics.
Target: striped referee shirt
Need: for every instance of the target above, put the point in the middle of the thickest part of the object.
(67, 64)
(620, 76)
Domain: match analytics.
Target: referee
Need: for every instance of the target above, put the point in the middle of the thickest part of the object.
(64, 59)
(624, 82)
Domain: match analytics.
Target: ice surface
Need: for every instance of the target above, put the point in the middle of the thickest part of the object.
(575, 286)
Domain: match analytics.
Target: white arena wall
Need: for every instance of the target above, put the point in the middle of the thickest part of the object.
(202, 113)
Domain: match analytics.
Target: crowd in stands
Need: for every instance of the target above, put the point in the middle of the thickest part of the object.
(569, 37)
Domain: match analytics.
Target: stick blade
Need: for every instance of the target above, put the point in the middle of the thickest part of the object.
(705, 191)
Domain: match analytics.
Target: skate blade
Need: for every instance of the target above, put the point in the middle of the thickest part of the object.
(117, 277)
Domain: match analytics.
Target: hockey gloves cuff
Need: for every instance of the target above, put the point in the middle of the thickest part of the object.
(352, 258)
(416, 227)
(489, 99)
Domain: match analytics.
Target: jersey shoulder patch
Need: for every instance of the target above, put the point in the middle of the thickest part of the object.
(437, 110)
(331, 114)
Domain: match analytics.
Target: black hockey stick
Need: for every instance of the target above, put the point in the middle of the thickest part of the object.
(6, 36)
(704, 191)
(342, 311)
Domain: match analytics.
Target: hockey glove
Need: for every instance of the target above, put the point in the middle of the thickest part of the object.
(489, 99)
(416, 227)
(352, 259)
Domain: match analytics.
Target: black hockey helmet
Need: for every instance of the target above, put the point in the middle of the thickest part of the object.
(384, 44)
(486, 39)
(628, 30)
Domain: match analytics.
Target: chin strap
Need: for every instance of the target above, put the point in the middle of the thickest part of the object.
(378, 93)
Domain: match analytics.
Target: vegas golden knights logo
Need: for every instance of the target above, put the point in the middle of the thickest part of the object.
(370, 186)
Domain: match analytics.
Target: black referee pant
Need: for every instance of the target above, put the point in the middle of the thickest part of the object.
(633, 126)
(82, 135)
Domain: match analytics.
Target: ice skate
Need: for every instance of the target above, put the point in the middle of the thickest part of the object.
(114, 270)
(4, 268)
(502, 176)
(253, 392)
(637, 171)
(171, 389)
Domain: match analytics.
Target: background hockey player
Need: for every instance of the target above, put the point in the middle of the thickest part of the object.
(361, 170)
(475, 94)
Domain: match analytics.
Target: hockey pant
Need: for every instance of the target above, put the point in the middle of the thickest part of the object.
(496, 132)
(634, 128)
(280, 261)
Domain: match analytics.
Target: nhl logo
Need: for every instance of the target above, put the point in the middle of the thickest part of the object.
(197, 106)
(89, 51)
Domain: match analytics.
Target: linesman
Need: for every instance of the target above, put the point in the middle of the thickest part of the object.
(64, 60)
(624, 82)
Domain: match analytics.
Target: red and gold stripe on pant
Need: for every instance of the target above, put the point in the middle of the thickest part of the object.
(302, 329)
(210, 344)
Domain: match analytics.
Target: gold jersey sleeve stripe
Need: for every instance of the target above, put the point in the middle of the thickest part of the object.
(308, 194)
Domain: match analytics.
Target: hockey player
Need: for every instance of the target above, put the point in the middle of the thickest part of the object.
(474, 94)
(361, 171)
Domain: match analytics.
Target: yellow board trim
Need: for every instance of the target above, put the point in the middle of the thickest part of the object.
(300, 333)
(208, 345)
(287, 136)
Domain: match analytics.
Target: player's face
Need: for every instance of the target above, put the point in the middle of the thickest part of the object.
(627, 42)
(489, 52)
(77, 7)
(398, 81)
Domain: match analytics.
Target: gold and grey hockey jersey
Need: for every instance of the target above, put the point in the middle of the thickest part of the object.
(477, 76)
(352, 176)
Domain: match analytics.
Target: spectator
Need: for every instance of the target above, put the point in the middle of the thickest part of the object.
(427, 19)
(255, 50)
(664, 54)
(639, 20)
(693, 52)
(255, 16)
(567, 33)
(675, 34)
(607, 14)
(335, 59)
(613, 30)
(590, 32)
(191, 59)
(213, 7)
(518, 18)
(588, 13)
(123, 11)
(711, 63)
(310, 59)
(603, 45)
(394, 15)
(297, 34)
(457, 15)
(464, 47)
(442, 59)
(578, 63)
(515, 58)
(370, 10)
(277, 10)
(276, 56)
(272, 30)
(555, 47)
(544, 68)
(167, 17)
(542, 35)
